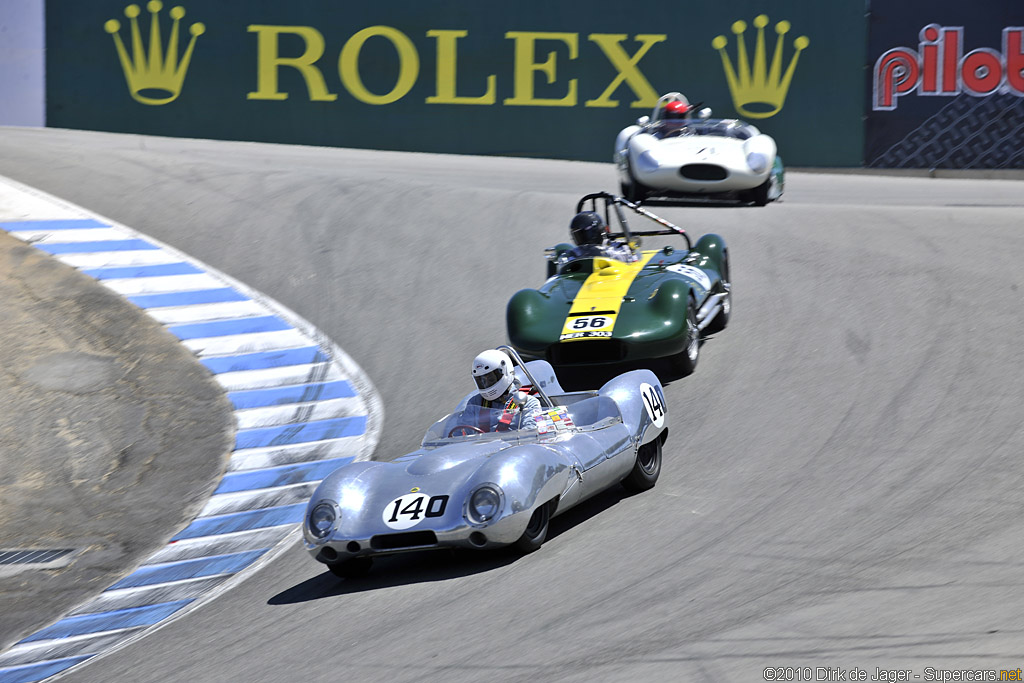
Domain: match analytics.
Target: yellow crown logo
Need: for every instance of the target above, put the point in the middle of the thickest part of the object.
(154, 77)
(758, 93)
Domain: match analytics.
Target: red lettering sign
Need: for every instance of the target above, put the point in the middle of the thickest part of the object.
(938, 67)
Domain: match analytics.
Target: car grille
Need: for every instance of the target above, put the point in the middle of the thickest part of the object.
(703, 172)
(582, 352)
(408, 539)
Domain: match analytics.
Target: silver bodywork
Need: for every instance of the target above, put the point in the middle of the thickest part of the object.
(421, 500)
(696, 157)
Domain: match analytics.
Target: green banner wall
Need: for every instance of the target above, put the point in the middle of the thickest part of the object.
(533, 78)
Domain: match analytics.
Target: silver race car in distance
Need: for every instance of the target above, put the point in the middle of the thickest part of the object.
(679, 152)
(468, 488)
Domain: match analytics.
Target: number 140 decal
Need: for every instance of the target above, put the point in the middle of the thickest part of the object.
(654, 403)
(409, 510)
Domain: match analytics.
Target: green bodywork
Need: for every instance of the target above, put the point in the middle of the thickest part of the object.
(778, 180)
(651, 322)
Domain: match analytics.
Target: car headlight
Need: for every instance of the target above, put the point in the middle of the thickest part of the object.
(484, 505)
(647, 162)
(322, 519)
(757, 162)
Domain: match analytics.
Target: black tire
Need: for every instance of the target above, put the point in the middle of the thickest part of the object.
(646, 468)
(759, 195)
(721, 320)
(632, 192)
(536, 531)
(352, 568)
(685, 362)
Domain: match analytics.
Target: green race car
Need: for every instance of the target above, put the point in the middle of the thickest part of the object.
(614, 302)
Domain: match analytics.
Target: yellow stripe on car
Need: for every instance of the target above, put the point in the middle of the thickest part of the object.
(597, 304)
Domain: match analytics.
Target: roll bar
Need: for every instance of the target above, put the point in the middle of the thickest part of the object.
(617, 202)
(533, 382)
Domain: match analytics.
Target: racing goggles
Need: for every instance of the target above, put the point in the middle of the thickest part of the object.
(488, 379)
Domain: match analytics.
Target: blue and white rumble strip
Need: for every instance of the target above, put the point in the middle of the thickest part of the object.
(302, 408)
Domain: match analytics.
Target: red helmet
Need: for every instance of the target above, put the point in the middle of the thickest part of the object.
(676, 110)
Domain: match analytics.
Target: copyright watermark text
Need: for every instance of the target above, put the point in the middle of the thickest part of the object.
(836, 673)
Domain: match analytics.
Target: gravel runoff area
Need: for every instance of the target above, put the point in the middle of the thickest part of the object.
(112, 436)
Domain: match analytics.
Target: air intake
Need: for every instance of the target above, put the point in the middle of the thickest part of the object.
(409, 539)
(583, 352)
(703, 172)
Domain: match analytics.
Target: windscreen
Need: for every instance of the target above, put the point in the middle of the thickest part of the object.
(481, 424)
(724, 128)
(594, 413)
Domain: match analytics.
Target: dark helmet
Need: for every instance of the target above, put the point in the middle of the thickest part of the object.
(588, 228)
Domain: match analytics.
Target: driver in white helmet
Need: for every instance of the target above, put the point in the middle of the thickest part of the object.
(500, 389)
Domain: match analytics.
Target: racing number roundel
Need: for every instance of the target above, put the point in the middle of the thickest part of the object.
(409, 510)
(693, 273)
(654, 403)
(591, 322)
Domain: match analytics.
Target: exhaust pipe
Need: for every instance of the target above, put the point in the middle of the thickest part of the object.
(710, 309)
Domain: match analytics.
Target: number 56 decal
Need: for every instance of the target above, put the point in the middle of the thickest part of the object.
(654, 403)
(591, 322)
(409, 510)
(587, 326)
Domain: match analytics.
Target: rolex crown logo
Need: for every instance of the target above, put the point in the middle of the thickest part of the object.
(758, 92)
(154, 76)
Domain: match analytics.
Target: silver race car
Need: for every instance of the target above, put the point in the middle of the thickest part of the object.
(467, 487)
(679, 152)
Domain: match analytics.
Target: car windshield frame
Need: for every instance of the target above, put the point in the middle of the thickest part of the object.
(723, 128)
(590, 414)
(576, 262)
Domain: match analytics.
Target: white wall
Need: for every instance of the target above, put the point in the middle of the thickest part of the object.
(22, 62)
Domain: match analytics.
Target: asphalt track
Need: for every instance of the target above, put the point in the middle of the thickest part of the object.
(843, 473)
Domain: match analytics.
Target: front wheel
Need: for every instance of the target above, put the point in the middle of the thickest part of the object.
(536, 530)
(632, 192)
(685, 362)
(646, 468)
(759, 195)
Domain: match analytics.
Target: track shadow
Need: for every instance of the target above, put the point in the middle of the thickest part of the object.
(584, 378)
(695, 202)
(397, 570)
(438, 565)
(587, 510)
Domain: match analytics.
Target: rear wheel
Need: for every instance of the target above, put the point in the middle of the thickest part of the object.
(646, 469)
(351, 568)
(536, 530)
(721, 319)
(685, 362)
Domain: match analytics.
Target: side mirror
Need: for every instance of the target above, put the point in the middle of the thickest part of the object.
(704, 113)
(643, 120)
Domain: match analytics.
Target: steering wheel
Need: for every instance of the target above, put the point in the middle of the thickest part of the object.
(464, 430)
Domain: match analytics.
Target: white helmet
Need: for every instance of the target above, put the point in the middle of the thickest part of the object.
(493, 373)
